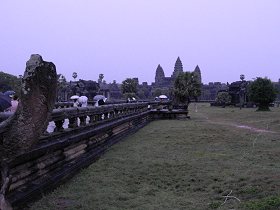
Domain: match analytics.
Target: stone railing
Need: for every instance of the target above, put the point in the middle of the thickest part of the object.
(70, 146)
(66, 116)
(90, 103)
(75, 138)
(74, 117)
(63, 105)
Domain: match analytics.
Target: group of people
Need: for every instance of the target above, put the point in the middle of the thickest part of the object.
(82, 101)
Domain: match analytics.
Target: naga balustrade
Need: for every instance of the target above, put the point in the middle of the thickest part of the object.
(68, 104)
(68, 147)
(93, 116)
(76, 137)
(65, 111)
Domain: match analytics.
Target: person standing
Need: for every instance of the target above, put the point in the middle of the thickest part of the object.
(14, 103)
(76, 103)
(83, 100)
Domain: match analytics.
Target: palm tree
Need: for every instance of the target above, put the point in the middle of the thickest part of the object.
(75, 75)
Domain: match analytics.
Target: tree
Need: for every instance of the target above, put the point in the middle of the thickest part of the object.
(262, 92)
(161, 91)
(9, 82)
(141, 94)
(186, 87)
(100, 78)
(223, 98)
(129, 88)
(157, 92)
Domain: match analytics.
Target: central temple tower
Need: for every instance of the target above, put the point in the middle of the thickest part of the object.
(178, 68)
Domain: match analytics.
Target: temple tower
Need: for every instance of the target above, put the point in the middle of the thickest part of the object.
(178, 68)
(198, 73)
(159, 75)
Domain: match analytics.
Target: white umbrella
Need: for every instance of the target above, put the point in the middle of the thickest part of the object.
(163, 97)
(99, 97)
(10, 93)
(83, 99)
(74, 97)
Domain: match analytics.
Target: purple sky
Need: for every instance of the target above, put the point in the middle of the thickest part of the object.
(129, 38)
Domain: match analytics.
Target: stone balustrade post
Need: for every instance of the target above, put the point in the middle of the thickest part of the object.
(97, 117)
(58, 125)
(112, 114)
(82, 120)
(73, 122)
(106, 115)
(92, 119)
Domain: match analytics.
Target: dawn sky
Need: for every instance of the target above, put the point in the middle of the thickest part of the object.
(129, 38)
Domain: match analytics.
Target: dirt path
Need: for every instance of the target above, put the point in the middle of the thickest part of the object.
(253, 129)
(241, 126)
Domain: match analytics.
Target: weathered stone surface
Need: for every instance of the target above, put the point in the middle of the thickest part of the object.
(22, 130)
(37, 99)
(4, 204)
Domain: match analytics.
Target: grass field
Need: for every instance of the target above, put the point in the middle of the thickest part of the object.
(184, 164)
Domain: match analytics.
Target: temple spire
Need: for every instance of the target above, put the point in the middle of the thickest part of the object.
(198, 73)
(159, 74)
(178, 68)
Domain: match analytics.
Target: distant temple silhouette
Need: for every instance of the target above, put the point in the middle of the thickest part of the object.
(161, 81)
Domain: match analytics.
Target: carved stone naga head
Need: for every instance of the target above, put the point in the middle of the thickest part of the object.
(37, 99)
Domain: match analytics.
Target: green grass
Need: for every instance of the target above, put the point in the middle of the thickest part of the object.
(269, 203)
(184, 164)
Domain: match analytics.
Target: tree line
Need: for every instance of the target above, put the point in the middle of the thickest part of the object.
(186, 88)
